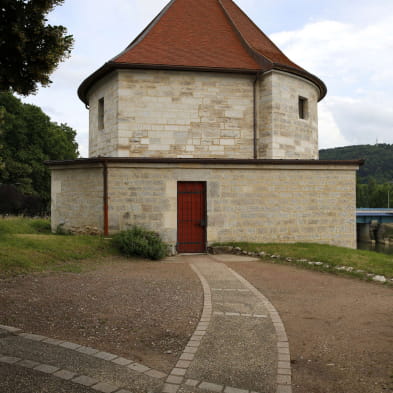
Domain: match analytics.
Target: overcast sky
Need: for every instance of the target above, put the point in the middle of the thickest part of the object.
(347, 43)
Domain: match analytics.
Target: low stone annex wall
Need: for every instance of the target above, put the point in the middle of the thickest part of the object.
(77, 198)
(255, 203)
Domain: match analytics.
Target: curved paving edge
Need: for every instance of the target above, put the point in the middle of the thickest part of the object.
(106, 356)
(284, 382)
(176, 377)
(64, 374)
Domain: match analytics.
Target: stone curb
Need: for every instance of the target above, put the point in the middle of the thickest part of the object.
(176, 377)
(64, 374)
(106, 356)
(349, 269)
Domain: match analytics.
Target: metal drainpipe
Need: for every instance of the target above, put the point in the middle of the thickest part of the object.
(255, 114)
(106, 218)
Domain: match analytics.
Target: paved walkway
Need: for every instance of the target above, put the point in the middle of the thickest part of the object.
(239, 346)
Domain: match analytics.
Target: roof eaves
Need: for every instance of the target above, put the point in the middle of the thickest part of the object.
(304, 74)
(84, 87)
(224, 161)
(111, 66)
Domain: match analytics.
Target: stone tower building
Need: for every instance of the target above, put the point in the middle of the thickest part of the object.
(203, 130)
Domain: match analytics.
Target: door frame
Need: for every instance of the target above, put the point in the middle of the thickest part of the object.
(204, 183)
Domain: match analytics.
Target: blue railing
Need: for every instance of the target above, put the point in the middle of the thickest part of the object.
(366, 216)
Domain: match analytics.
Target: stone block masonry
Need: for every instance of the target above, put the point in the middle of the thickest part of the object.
(180, 114)
(173, 114)
(103, 141)
(77, 198)
(252, 203)
(281, 133)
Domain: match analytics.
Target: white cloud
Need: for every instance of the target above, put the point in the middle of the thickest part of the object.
(329, 132)
(363, 120)
(356, 63)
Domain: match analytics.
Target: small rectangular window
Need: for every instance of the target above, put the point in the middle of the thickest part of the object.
(303, 108)
(101, 110)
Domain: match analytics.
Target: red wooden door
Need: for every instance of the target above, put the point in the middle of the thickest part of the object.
(191, 217)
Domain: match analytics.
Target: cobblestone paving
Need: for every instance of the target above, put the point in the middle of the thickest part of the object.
(239, 346)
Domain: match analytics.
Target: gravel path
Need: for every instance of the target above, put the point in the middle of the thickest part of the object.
(340, 330)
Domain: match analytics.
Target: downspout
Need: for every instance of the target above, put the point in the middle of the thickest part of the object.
(106, 220)
(255, 114)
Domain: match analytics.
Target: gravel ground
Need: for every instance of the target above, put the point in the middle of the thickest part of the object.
(14, 379)
(340, 330)
(145, 311)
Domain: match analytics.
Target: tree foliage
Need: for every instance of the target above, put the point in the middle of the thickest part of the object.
(27, 139)
(374, 195)
(374, 181)
(379, 160)
(30, 49)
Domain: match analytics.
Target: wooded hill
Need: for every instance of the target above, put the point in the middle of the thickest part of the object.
(379, 160)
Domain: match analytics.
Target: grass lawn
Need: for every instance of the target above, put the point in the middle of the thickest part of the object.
(369, 261)
(27, 245)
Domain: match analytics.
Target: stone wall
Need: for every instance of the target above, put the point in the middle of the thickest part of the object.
(151, 113)
(104, 142)
(77, 198)
(185, 114)
(256, 203)
(281, 133)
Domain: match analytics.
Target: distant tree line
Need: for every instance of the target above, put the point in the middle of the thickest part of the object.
(28, 138)
(374, 195)
(378, 165)
(375, 177)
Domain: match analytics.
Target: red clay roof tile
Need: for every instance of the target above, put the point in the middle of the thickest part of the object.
(193, 33)
(205, 35)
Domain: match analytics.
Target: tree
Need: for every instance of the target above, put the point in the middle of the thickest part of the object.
(378, 160)
(30, 49)
(27, 139)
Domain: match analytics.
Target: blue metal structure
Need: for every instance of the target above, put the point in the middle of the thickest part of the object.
(366, 216)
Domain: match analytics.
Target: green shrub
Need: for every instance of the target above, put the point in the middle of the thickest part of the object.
(140, 242)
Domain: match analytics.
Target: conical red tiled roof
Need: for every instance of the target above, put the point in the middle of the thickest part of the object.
(206, 35)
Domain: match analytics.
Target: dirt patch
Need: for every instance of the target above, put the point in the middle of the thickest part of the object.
(340, 330)
(141, 310)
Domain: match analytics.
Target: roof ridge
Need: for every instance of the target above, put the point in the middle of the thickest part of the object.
(260, 31)
(255, 54)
